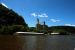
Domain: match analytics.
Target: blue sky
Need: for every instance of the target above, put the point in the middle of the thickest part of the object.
(53, 12)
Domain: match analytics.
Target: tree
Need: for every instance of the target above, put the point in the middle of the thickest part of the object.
(10, 21)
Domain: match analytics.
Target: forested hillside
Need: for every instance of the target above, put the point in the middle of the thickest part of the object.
(63, 29)
(10, 21)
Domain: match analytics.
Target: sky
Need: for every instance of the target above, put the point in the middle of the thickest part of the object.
(53, 12)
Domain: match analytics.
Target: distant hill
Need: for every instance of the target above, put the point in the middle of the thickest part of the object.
(63, 29)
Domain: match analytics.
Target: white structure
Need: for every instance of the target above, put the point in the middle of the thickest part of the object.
(55, 33)
(29, 33)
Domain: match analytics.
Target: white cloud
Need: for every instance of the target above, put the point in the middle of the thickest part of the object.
(54, 20)
(69, 25)
(34, 14)
(39, 15)
(4, 5)
(43, 15)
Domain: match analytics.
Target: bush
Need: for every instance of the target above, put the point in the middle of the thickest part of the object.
(12, 29)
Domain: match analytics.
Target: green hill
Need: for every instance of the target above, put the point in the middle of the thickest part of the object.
(63, 29)
(10, 21)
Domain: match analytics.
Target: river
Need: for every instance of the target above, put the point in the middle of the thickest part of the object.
(37, 42)
(48, 42)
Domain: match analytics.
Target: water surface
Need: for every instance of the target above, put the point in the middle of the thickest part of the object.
(37, 42)
(49, 42)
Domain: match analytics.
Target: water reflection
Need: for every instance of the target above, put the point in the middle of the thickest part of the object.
(30, 43)
(37, 42)
(8, 42)
(49, 42)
